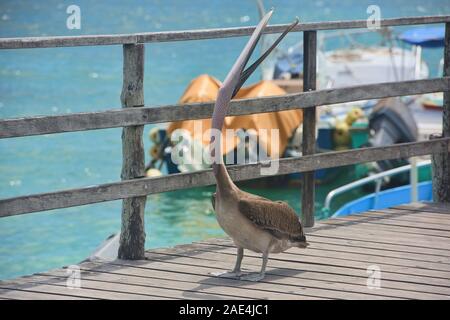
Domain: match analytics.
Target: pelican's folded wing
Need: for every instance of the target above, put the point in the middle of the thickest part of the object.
(278, 218)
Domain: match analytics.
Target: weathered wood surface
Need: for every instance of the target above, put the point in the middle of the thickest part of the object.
(132, 235)
(309, 125)
(165, 36)
(334, 266)
(430, 207)
(441, 161)
(440, 173)
(146, 186)
(146, 115)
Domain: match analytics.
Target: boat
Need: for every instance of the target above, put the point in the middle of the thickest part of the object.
(419, 189)
(362, 64)
(355, 66)
(386, 199)
(427, 37)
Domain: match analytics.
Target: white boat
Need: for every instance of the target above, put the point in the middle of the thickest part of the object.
(362, 64)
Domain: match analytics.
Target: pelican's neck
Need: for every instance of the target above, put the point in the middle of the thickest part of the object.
(224, 96)
(224, 182)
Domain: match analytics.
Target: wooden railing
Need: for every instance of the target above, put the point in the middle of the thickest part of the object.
(134, 186)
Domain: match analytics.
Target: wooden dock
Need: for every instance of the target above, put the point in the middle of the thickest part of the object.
(410, 244)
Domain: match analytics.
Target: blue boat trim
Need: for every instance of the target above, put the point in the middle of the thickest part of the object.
(387, 198)
(432, 37)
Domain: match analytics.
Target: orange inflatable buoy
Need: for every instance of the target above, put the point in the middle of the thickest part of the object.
(205, 88)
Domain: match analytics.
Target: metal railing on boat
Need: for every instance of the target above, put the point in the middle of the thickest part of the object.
(377, 178)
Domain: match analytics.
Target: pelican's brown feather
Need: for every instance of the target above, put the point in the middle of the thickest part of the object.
(277, 218)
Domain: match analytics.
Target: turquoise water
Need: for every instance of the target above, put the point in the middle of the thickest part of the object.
(81, 79)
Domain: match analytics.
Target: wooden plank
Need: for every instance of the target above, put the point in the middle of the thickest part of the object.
(165, 36)
(426, 214)
(441, 217)
(371, 223)
(369, 237)
(321, 252)
(206, 288)
(309, 126)
(185, 271)
(271, 282)
(37, 125)
(295, 274)
(28, 284)
(66, 41)
(397, 260)
(303, 266)
(394, 220)
(386, 247)
(432, 219)
(444, 207)
(378, 235)
(145, 186)
(223, 261)
(302, 257)
(202, 274)
(374, 250)
(142, 286)
(15, 294)
(188, 275)
(436, 208)
(402, 215)
(278, 284)
(339, 245)
(132, 234)
(382, 236)
(89, 288)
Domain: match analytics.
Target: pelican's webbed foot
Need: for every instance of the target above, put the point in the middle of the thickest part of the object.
(255, 276)
(228, 274)
(236, 273)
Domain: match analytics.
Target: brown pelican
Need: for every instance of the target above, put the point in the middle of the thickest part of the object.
(254, 223)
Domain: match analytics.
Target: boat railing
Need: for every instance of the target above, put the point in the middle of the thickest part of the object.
(376, 178)
(134, 186)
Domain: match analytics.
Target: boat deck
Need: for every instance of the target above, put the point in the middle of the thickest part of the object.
(409, 244)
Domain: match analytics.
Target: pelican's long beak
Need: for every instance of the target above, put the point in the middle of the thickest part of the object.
(237, 76)
(248, 50)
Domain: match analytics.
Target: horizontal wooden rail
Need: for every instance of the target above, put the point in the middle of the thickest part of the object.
(165, 36)
(145, 115)
(145, 186)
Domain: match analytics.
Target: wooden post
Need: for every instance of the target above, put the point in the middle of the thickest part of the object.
(309, 125)
(132, 235)
(441, 161)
